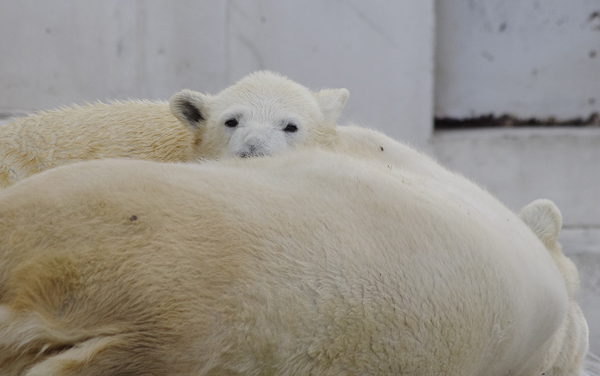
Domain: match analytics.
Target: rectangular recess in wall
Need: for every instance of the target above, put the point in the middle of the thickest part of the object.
(517, 63)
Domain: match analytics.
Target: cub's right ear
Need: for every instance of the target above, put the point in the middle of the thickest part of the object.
(190, 107)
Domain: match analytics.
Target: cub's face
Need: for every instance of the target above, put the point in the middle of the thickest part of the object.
(264, 119)
(263, 114)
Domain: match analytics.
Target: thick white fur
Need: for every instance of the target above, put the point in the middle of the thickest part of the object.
(131, 129)
(312, 262)
(264, 103)
(571, 341)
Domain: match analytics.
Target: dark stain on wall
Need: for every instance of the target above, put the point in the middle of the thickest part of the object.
(491, 121)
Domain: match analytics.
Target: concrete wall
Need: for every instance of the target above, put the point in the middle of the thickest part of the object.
(529, 58)
(67, 51)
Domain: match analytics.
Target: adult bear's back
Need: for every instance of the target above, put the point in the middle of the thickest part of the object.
(308, 263)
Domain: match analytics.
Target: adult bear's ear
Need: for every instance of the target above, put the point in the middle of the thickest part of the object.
(543, 218)
(190, 107)
(331, 102)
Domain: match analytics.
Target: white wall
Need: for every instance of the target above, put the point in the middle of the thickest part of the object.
(59, 52)
(529, 58)
(521, 165)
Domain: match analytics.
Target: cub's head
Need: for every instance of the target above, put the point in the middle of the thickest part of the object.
(262, 114)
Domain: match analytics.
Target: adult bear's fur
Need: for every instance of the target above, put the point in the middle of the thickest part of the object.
(311, 262)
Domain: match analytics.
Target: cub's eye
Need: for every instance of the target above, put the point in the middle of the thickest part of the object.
(290, 128)
(231, 123)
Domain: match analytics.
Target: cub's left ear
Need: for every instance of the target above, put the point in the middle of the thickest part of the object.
(331, 102)
(190, 107)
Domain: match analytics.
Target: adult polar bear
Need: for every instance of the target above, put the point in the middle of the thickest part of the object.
(262, 114)
(312, 262)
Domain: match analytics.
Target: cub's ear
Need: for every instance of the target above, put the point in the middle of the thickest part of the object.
(190, 107)
(331, 102)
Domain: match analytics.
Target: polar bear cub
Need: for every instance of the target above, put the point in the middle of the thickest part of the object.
(263, 114)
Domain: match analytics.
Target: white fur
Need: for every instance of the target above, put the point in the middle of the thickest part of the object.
(571, 340)
(313, 262)
(78, 355)
(130, 129)
(262, 104)
(364, 257)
